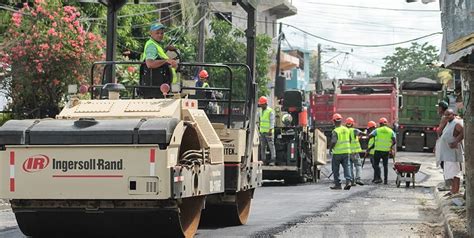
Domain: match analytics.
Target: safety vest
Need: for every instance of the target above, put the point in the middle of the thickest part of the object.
(162, 55)
(343, 144)
(355, 144)
(371, 142)
(265, 120)
(383, 139)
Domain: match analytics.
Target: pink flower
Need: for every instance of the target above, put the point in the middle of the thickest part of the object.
(44, 46)
(91, 36)
(131, 69)
(16, 18)
(51, 31)
(55, 24)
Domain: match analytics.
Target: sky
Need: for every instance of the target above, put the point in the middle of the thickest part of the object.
(363, 22)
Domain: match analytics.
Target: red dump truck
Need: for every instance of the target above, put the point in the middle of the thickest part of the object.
(366, 99)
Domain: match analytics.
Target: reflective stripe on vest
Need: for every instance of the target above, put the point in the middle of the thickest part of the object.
(343, 144)
(162, 55)
(355, 144)
(383, 139)
(265, 120)
(371, 142)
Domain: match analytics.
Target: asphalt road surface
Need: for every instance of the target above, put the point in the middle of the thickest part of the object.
(313, 210)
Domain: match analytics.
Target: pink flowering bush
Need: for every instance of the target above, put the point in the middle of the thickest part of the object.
(47, 49)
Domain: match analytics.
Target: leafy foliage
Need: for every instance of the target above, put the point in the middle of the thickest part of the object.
(50, 50)
(411, 63)
(227, 45)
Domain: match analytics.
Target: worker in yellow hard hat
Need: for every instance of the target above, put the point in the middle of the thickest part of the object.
(266, 125)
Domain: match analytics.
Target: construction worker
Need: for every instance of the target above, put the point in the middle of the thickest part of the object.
(340, 150)
(266, 124)
(355, 161)
(159, 67)
(210, 107)
(384, 141)
(203, 78)
(371, 126)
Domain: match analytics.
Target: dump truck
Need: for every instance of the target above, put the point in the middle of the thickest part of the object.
(299, 148)
(368, 99)
(418, 116)
(321, 110)
(134, 167)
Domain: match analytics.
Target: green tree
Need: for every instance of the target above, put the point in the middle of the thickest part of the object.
(411, 63)
(227, 45)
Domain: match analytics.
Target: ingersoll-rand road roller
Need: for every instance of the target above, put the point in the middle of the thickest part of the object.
(117, 167)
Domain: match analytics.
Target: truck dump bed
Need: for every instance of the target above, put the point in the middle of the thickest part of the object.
(368, 100)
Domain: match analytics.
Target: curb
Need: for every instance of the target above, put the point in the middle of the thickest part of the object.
(446, 212)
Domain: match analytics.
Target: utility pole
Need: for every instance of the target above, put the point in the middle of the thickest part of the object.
(319, 84)
(469, 151)
(201, 40)
(280, 81)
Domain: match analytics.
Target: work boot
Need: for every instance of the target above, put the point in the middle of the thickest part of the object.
(378, 181)
(359, 182)
(353, 183)
(385, 181)
(336, 187)
(348, 186)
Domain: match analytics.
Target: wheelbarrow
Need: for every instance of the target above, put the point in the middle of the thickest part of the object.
(406, 172)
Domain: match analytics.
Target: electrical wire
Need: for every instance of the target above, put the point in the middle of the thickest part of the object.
(374, 8)
(360, 45)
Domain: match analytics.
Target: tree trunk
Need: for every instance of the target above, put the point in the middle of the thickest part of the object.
(469, 152)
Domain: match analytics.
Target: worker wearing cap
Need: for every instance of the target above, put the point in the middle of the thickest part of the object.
(266, 124)
(371, 126)
(340, 149)
(355, 161)
(154, 53)
(384, 142)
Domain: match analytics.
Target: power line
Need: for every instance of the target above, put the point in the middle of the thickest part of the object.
(357, 45)
(374, 8)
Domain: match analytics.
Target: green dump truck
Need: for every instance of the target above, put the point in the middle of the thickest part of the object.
(418, 117)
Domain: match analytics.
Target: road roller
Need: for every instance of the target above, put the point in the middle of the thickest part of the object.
(122, 167)
(135, 166)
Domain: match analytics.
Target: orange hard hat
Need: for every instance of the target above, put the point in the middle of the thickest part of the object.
(336, 117)
(383, 120)
(350, 120)
(203, 74)
(371, 124)
(262, 100)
